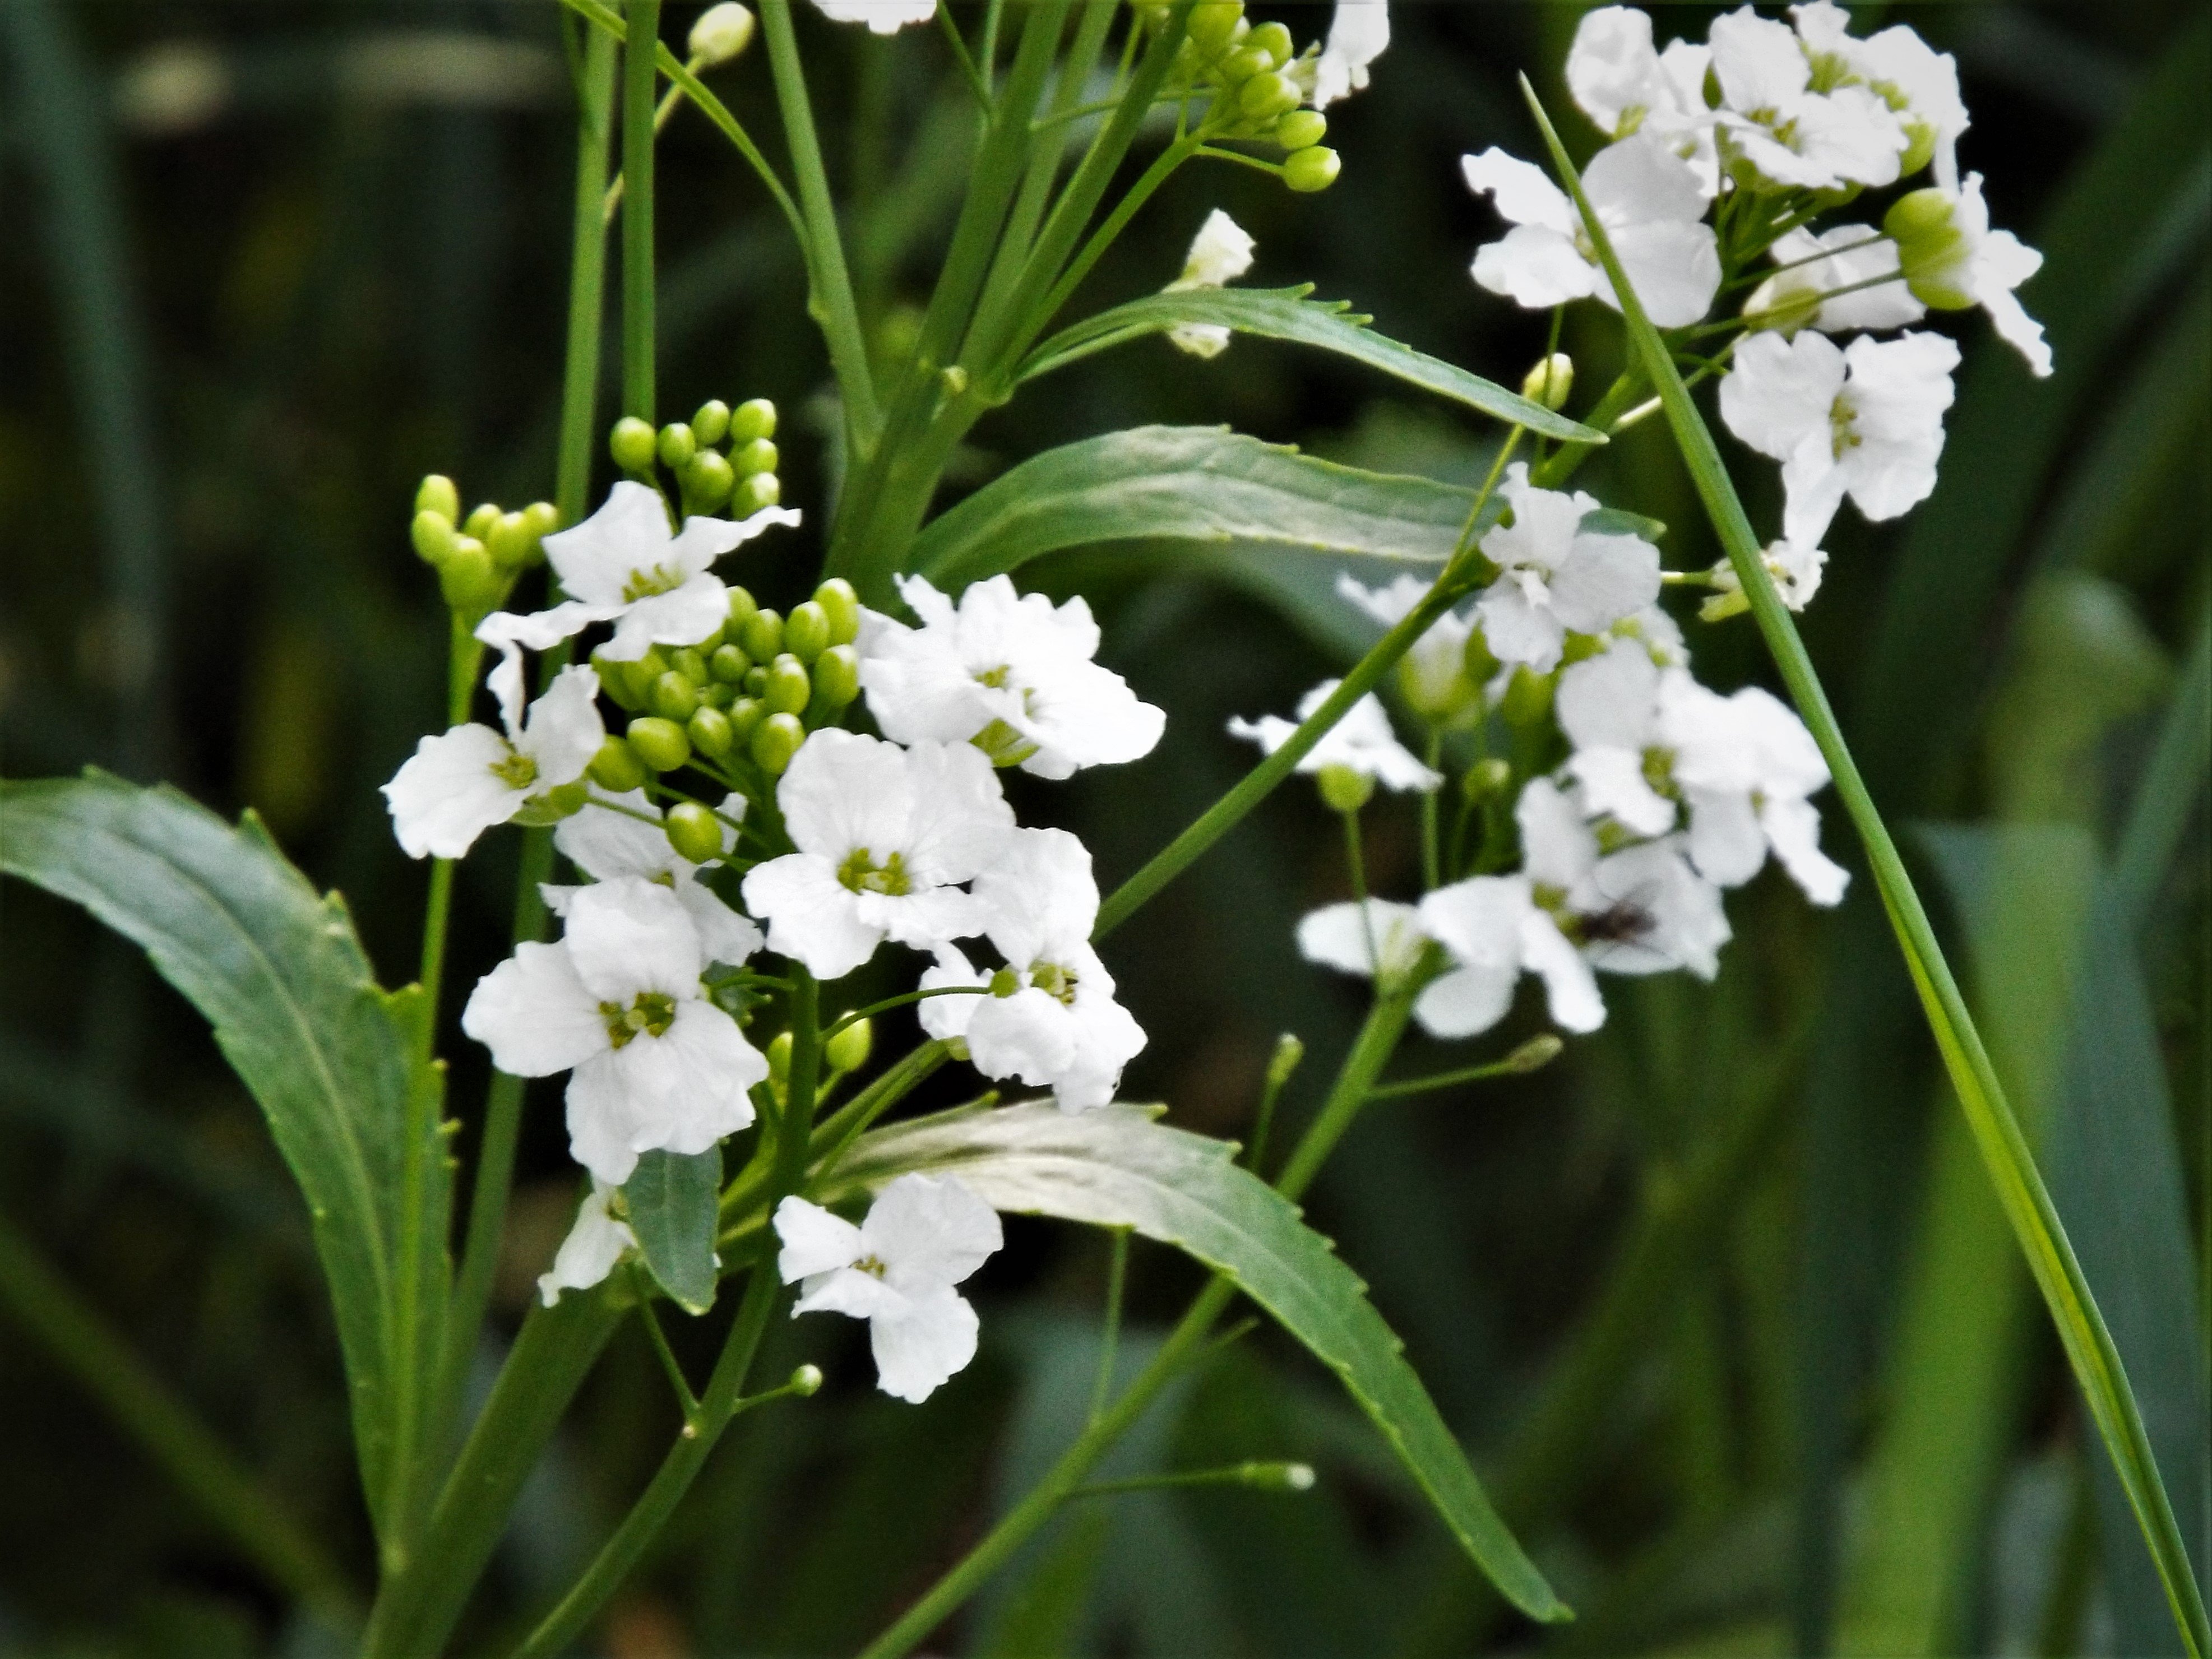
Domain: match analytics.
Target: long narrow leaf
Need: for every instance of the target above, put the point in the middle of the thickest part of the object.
(2020, 1187)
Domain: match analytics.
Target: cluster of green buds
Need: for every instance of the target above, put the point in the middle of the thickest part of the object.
(1260, 82)
(755, 687)
(723, 459)
(479, 558)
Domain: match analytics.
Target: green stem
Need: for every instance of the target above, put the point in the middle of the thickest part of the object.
(1260, 1475)
(967, 69)
(1431, 848)
(643, 36)
(888, 1003)
(686, 1402)
(2081, 1328)
(1418, 1086)
(663, 113)
(463, 656)
(84, 1345)
(1117, 1276)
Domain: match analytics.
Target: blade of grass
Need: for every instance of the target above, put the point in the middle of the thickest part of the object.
(2082, 1327)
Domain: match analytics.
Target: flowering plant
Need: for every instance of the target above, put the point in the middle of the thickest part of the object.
(759, 804)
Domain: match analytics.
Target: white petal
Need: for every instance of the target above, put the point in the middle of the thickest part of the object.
(844, 792)
(681, 616)
(1029, 1036)
(2019, 329)
(692, 1081)
(1813, 486)
(1219, 253)
(607, 844)
(1341, 937)
(946, 1017)
(1523, 192)
(1107, 1038)
(960, 818)
(882, 16)
(725, 935)
(1557, 847)
(534, 1014)
(595, 1243)
(1039, 898)
(1518, 630)
(1569, 985)
(1479, 920)
(1609, 701)
(1613, 784)
(1794, 828)
(1638, 181)
(814, 1241)
(1358, 35)
(1466, 1002)
(847, 1291)
(920, 1345)
(1674, 268)
(930, 1231)
(811, 916)
(1605, 579)
(562, 730)
(448, 794)
(594, 559)
(630, 935)
(1535, 266)
(1780, 391)
(1726, 842)
(927, 918)
(701, 540)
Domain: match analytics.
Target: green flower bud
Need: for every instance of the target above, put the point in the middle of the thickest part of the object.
(1289, 1051)
(715, 695)
(1276, 1477)
(1301, 129)
(1274, 40)
(721, 32)
(761, 634)
(674, 697)
(687, 661)
(482, 522)
(709, 728)
(511, 543)
(1486, 778)
(806, 631)
(1212, 24)
(437, 495)
(742, 607)
(616, 769)
(788, 689)
(1240, 66)
(1264, 97)
(708, 481)
(660, 742)
(471, 583)
(760, 455)
(694, 832)
(745, 714)
(1475, 659)
(1528, 697)
(676, 445)
(757, 679)
(774, 741)
(619, 681)
(728, 664)
(1536, 1053)
(1311, 169)
(632, 444)
(779, 1056)
(1550, 382)
(1930, 250)
(805, 1382)
(711, 423)
(1342, 789)
(837, 598)
(753, 418)
(755, 494)
(544, 518)
(836, 683)
(552, 806)
(433, 536)
(849, 1049)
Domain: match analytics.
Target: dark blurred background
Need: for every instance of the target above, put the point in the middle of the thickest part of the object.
(1719, 1301)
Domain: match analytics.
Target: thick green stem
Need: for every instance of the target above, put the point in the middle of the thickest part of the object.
(639, 86)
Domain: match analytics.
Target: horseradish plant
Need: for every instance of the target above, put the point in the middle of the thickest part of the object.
(752, 806)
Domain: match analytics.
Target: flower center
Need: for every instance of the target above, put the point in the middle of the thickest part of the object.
(872, 1264)
(1055, 981)
(651, 1014)
(996, 678)
(1843, 425)
(1659, 770)
(860, 873)
(1004, 745)
(517, 771)
(654, 579)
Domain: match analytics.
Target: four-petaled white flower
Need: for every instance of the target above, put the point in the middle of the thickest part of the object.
(1358, 33)
(460, 783)
(1627, 87)
(884, 834)
(607, 844)
(1361, 742)
(896, 1270)
(1386, 940)
(1009, 672)
(1915, 81)
(1050, 1017)
(1651, 205)
(1857, 257)
(1796, 569)
(1954, 261)
(1433, 674)
(1789, 134)
(1865, 420)
(623, 565)
(595, 1243)
(1555, 577)
(882, 16)
(618, 1003)
(1219, 253)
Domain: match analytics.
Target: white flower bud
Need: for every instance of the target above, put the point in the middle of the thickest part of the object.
(722, 32)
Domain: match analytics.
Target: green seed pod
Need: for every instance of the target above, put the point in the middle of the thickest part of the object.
(511, 543)
(837, 598)
(468, 579)
(729, 665)
(1301, 129)
(715, 695)
(788, 689)
(631, 444)
(707, 481)
(779, 1056)
(742, 607)
(616, 769)
(806, 631)
(836, 682)
(674, 697)
(659, 743)
(433, 536)
(676, 445)
(437, 495)
(709, 731)
(1213, 23)
(1266, 97)
(1238, 67)
(687, 661)
(745, 716)
(761, 635)
(760, 455)
(694, 832)
(1274, 40)
(774, 741)
(712, 422)
(849, 1049)
(482, 522)
(552, 806)
(755, 494)
(1314, 168)
(753, 418)
(1342, 789)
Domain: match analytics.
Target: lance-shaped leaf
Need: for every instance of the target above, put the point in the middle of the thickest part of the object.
(1117, 1168)
(672, 1199)
(277, 971)
(1285, 314)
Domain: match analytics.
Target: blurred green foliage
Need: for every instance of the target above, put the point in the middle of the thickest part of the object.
(1720, 1301)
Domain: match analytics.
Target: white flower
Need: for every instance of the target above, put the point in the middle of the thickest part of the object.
(723, 32)
(1050, 1018)
(622, 565)
(1433, 674)
(882, 16)
(1790, 135)
(595, 1243)
(1381, 940)
(1650, 203)
(1220, 252)
(1007, 672)
(1862, 255)
(884, 834)
(1918, 82)
(460, 783)
(1954, 261)
(618, 1003)
(1608, 707)
(1796, 569)
(1627, 88)
(1358, 35)
(1555, 577)
(607, 845)
(1361, 742)
(1865, 420)
(896, 1270)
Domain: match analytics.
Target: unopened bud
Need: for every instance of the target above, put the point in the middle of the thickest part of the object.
(694, 832)
(707, 480)
(836, 675)
(660, 742)
(433, 536)
(1264, 97)
(760, 455)
(755, 493)
(774, 741)
(709, 728)
(1276, 1477)
(710, 424)
(722, 33)
(1344, 790)
(806, 630)
(676, 445)
(1528, 697)
(779, 1056)
(544, 518)
(1536, 1054)
(1550, 382)
(805, 1382)
(552, 806)
(616, 769)
(1486, 778)
(437, 494)
(631, 444)
(1311, 169)
(742, 608)
(788, 689)
(674, 697)
(849, 1049)
(1213, 22)
(1289, 1051)
(753, 418)
(1931, 250)
(686, 660)
(744, 714)
(482, 522)
(1238, 67)
(761, 634)
(842, 605)
(1274, 40)
(467, 578)
(511, 543)
(729, 665)
(1301, 129)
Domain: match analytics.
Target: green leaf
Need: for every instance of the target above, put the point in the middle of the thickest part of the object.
(1117, 1168)
(278, 973)
(671, 1199)
(1189, 484)
(1285, 314)
(2082, 1327)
